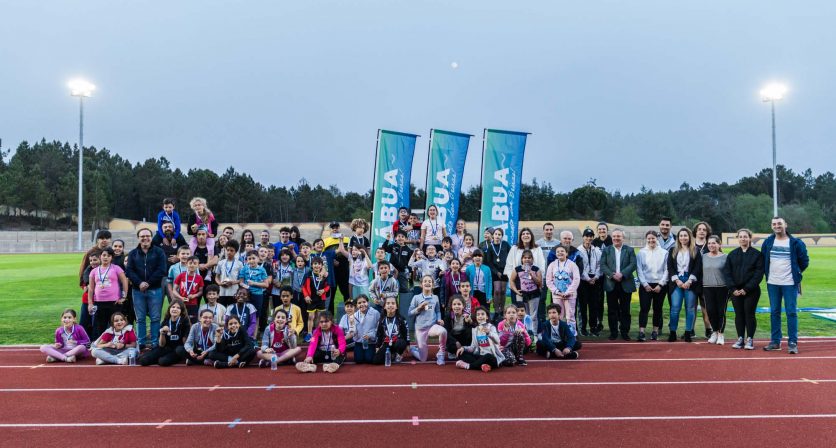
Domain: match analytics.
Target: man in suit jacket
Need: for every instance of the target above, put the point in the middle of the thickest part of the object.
(618, 263)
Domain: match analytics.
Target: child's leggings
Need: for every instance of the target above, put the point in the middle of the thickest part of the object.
(61, 354)
(113, 355)
(423, 334)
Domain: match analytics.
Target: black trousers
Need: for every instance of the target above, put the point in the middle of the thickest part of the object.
(164, 356)
(654, 299)
(101, 320)
(476, 361)
(592, 313)
(464, 339)
(245, 356)
(744, 314)
(319, 357)
(618, 310)
(180, 350)
(716, 301)
(397, 348)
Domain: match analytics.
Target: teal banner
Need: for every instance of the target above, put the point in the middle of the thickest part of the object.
(502, 164)
(448, 152)
(393, 170)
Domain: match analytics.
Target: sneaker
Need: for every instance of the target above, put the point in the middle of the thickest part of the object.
(486, 368)
(642, 337)
(439, 358)
(584, 332)
(70, 359)
(654, 336)
(415, 354)
(713, 338)
(721, 340)
(772, 347)
(572, 355)
(262, 363)
(331, 367)
(308, 337)
(739, 344)
(241, 365)
(463, 365)
(305, 367)
(625, 336)
(521, 361)
(398, 359)
(220, 365)
(793, 348)
(750, 344)
(708, 333)
(687, 336)
(123, 361)
(50, 359)
(100, 362)
(451, 356)
(189, 362)
(672, 337)
(694, 334)
(613, 336)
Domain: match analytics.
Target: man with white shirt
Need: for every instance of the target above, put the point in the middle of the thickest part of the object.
(785, 258)
(618, 263)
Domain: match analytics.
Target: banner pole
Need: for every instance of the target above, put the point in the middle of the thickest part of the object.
(427, 183)
(481, 181)
(374, 182)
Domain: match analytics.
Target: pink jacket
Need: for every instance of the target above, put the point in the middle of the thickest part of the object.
(505, 334)
(317, 333)
(574, 274)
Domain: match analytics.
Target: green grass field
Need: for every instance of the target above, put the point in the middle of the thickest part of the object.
(34, 289)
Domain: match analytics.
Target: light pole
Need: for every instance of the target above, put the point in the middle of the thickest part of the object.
(82, 89)
(770, 94)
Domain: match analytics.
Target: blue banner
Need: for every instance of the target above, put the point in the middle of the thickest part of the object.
(502, 164)
(448, 151)
(393, 170)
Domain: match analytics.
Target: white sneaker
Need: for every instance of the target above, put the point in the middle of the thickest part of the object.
(739, 344)
(713, 338)
(50, 359)
(721, 340)
(100, 362)
(123, 361)
(70, 359)
(415, 354)
(331, 367)
(305, 367)
(750, 344)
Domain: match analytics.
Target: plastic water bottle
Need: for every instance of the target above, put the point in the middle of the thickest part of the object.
(439, 358)
(274, 363)
(388, 360)
(132, 358)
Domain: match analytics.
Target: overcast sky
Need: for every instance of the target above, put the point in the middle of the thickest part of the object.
(632, 93)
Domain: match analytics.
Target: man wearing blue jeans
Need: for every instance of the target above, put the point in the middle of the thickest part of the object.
(146, 268)
(785, 258)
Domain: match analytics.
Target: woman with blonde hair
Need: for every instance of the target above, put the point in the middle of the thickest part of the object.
(201, 217)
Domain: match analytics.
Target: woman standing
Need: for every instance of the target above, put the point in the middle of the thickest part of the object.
(524, 242)
(497, 258)
(432, 230)
(458, 236)
(684, 266)
(701, 232)
(652, 267)
(743, 272)
(714, 289)
(604, 239)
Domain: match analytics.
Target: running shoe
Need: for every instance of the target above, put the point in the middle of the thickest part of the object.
(305, 367)
(712, 339)
(721, 340)
(331, 367)
(672, 337)
(750, 344)
(220, 365)
(100, 362)
(262, 363)
(572, 355)
(654, 335)
(50, 359)
(625, 336)
(463, 365)
(739, 344)
(70, 359)
(521, 361)
(613, 336)
(241, 365)
(642, 337)
(687, 336)
(486, 368)
(793, 348)
(772, 347)
(415, 354)
(308, 337)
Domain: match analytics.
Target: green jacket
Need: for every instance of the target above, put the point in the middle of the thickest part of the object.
(628, 268)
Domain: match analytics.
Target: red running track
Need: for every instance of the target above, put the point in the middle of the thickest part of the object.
(616, 395)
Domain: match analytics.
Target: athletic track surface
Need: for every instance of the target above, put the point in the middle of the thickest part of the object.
(618, 394)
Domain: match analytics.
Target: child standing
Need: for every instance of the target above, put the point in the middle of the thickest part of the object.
(244, 311)
(526, 280)
(94, 258)
(188, 287)
(315, 290)
(300, 272)
(481, 279)
(293, 312)
(183, 254)
(107, 291)
(428, 321)
(234, 348)
(211, 294)
(383, 287)
(348, 323)
(168, 214)
(117, 343)
(466, 250)
(359, 226)
(483, 352)
(358, 268)
(278, 341)
(327, 346)
(253, 280)
(563, 279)
(226, 274)
(513, 338)
(70, 340)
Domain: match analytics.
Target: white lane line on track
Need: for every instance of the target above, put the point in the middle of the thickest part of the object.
(414, 420)
(416, 385)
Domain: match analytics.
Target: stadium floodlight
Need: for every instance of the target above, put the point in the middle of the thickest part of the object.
(81, 89)
(769, 94)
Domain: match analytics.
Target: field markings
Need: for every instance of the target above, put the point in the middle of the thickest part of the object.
(416, 420)
(415, 385)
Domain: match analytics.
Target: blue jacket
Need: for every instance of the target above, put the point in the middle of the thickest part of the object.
(564, 331)
(799, 260)
(486, 272)
(148, 267)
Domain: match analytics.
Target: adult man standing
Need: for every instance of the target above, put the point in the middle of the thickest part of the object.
(591, 289)
(665, 240)
(146, 269)
(618, 263)
(785, 258)
(547, 244)
(265, 238)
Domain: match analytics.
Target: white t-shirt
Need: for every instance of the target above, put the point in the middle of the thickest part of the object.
(433, 234)
(780, 268)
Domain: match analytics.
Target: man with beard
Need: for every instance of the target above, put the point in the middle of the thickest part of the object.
(169, 243)
(666, 240)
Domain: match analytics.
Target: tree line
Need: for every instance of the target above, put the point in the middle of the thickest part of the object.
(38, 187)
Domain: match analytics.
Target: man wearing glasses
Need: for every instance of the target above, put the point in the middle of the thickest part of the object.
(146, 268)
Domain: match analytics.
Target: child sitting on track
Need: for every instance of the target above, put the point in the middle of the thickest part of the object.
(117, 343)
(245, 312)
(279, 341)
(392, 334)
(327, 346)
(483, 352)
(459, 325)
(70, 340)
(201, 340)
(234, 348)
(175, 330)
(366, 320)
(513, 338)
(557, 340)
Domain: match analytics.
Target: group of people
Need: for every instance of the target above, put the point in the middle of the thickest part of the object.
(227, 295)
